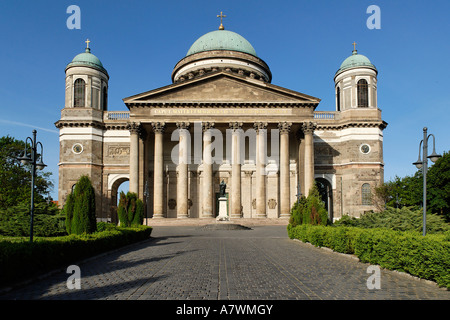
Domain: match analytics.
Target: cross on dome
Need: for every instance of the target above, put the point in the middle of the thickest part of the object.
(354, 47)
(221, 16)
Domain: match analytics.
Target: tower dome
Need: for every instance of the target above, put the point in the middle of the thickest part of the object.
(356, 60)
(356, 83)
(87, 59)
(86, 82)
(221, 50)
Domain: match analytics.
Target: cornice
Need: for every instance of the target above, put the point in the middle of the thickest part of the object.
(339, 126)
(189, 104)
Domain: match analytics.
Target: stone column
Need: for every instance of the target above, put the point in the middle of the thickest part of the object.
(261, 130)
(207, 175)
(285, 193)
(134, 156)
(308, 129)
(158, 174)
(300, 164)
(182, 181)
(236, 169)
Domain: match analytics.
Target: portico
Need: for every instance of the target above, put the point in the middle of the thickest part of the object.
(195, 145)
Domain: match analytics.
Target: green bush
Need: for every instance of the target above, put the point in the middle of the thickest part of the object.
(83, 219)
(47, 220)
(130, 210)
(68, 211)
(425, 257)
(297, 212)
(403, 219)
(104, 226)
(315, 212)
(20, 259)
(310, 210)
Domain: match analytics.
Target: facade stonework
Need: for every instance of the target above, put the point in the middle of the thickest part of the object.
(222, 120)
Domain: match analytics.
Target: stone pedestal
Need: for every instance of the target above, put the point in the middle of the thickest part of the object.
(223, 214)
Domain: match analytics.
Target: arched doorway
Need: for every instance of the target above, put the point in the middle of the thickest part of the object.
(326, 192)
(118, 185)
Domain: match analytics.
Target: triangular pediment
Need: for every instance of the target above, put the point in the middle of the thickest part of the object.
(221, 87)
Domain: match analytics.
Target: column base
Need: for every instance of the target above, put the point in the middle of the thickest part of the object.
(207, 215)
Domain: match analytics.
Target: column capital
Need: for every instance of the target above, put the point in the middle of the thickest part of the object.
(207, 125)
(235, 125)
(183, 125)
(309, 127)
(260, 126)
(134, 127)
(159, 127)
(284, 127)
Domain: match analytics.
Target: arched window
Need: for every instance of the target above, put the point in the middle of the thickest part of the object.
(338, 99)
(363, 94)
(105, 99)
(79, 93)
(366, 195)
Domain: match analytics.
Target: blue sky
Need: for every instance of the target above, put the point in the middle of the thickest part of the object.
(303, 42)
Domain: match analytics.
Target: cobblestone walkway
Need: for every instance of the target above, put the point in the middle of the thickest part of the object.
(198, 262)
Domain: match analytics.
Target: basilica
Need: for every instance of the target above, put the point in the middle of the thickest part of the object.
(222, 122)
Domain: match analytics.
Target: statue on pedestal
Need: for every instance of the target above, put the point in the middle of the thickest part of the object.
(223, 186)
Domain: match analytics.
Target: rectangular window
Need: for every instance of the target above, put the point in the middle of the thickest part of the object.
(366, 195)
(79, 93)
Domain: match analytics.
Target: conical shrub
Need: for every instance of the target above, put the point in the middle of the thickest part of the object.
(130, 210)
(83, 220)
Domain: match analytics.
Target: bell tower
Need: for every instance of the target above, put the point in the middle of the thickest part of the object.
(359, 165)
(81, 125)
(356, 83)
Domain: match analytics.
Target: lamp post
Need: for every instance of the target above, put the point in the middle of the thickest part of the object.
(33, 160)
(424, 165)
(299, 193)
(146, 194)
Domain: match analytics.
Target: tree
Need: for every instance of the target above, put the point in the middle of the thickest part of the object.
(309, 210)
(130, 210)
(408, 191)
(315, 212)
(297, 212)
(438, 186)
(82, 208)
(68, 210)
(48, 222)
(15, 178)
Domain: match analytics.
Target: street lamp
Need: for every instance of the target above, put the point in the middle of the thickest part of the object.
(423, 164)
(36, 161)
(146, 194)
(299, 193)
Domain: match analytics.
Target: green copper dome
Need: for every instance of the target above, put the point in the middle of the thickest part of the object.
(87, 59)
(221, 40)
(356, 60)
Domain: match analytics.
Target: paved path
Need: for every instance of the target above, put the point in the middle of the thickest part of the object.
(197, 262)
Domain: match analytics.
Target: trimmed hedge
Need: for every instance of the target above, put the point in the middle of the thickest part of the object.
(20, 259)
(425, 257)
